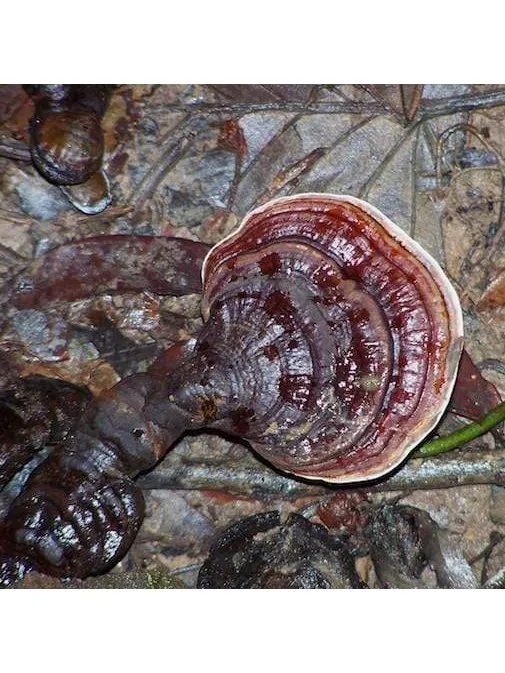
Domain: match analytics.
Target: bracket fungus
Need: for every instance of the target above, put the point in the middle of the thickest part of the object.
(335, 338)
(331, 344)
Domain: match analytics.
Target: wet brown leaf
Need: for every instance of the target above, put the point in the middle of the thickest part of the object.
(110, 264)
(473, 395)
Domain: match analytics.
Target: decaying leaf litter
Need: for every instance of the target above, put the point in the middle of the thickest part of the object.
(191, 161)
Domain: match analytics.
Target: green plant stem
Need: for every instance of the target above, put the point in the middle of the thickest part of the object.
(463, 435)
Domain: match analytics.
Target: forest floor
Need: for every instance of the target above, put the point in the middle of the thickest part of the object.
(191, 161)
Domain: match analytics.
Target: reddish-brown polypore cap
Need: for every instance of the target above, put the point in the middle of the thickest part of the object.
(343, 334)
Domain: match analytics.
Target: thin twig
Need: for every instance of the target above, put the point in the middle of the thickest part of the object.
(434, 107)
(256, 482)
(281, 106)
(448, 106)
(464, 468)
(413, 178)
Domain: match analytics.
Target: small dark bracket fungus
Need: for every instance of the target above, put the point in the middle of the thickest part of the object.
(67, 141)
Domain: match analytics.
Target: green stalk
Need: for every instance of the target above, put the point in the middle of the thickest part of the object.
(463, 435)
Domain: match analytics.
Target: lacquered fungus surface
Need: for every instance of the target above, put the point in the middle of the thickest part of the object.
(338, 334)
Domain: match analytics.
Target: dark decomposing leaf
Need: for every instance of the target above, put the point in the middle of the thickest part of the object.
(262, 552)
(396, 547)
(290, 176)
(473, 395)
(110, 264)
